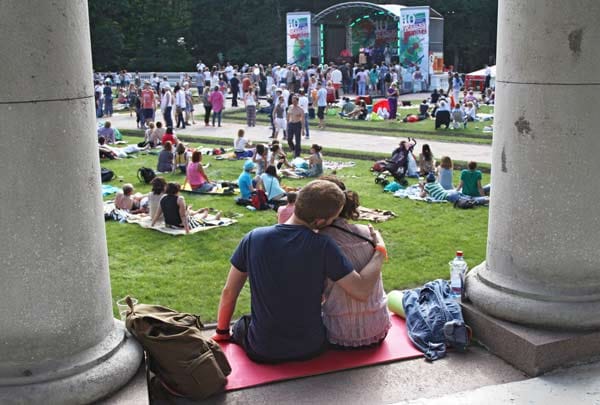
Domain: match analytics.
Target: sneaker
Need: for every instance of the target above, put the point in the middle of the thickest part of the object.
(306, 137)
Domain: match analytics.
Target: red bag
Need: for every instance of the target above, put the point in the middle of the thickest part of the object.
(259, 200)
(379, 166)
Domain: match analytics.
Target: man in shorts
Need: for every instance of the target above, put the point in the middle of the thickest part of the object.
(321, 104)
(148, 104)
(287, 265)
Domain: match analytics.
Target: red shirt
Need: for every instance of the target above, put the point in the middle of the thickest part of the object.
(246, 83)
(147, 98)
(167, 137)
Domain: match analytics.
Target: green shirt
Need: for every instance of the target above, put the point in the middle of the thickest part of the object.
(470, 179)
(436, 191)
(348, 107)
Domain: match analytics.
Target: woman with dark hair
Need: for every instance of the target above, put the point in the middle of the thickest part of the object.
(270, 184)
(351, 323)
(207, 105)
(195, 175)
(172, 207)
(426, 161)
(165, 158)
(158, 191)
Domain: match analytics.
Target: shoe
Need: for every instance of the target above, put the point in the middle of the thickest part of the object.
(306, 137)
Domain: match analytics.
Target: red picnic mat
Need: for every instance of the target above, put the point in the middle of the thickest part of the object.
(246, 373)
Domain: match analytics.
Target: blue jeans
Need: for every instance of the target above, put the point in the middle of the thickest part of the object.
(108, 106)
(168, 117)
(204, 188)
(218, 116)
(307, 131)
(362, 86)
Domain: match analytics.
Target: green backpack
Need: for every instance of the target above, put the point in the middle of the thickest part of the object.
(185, 363)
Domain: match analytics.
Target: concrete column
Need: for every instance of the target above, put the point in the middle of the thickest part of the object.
(59, 342)
(543, 257)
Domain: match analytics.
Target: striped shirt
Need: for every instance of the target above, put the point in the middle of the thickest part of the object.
(436, 191)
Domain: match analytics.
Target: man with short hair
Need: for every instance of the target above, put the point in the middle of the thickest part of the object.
(287, 265)
(148, 104)
(303, 103)
(295, 125)
(321, 104)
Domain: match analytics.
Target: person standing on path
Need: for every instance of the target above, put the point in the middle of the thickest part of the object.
(295, 126)
(250, 100)
(234, 84)
(166, 105)
(321, 104)
(218, 102)
(179, 106)
(303, 103)
(148, 104)
(207, 105)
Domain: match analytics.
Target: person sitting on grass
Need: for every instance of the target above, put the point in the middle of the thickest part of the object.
(445, 172)
(426, 160)
(172, 207)
(126, 200)
(347, 107)
(157, 134)
(105, 151)
(458, 117)
(270, 185)
(360, 112)
(180, 158)
(239, 146)
(286, 285)
(260, 159)
(284, 213)
(351, 323)
(315, 161)
(277, 157)
(165, 158)
(107, 132)
(158, 191)
(245, 183)
(470, 182)
(169, 136)
(195, 175)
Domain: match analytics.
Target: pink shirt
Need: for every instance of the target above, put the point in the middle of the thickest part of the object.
(284, 213)
(195, 178)
(217, 100)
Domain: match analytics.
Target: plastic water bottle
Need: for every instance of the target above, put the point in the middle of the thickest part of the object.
(458, 269)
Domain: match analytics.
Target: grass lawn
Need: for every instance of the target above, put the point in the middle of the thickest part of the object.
(423, 129)
(187, 272)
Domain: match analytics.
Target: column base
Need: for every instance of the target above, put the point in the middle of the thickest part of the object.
(87, 380)
(518, 303)
(534, 351)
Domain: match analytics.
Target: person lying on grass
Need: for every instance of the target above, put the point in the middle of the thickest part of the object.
(351, 323)
(287, 282)
(435, 190)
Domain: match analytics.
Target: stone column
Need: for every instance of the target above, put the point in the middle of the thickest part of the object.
(59, 342)
(543, 253)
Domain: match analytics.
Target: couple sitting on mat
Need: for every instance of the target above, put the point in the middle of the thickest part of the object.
(308, 259)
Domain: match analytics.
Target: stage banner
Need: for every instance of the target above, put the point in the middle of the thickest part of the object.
(414, 45)
(298, 39)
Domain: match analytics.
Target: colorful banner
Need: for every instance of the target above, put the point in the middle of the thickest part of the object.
(298, 39)
(377, 37)
(414, 43)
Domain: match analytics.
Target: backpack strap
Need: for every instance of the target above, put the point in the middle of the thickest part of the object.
(353, 233)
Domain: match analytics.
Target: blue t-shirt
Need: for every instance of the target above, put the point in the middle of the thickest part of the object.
(287, 266)
(271, 186)
(245, 184)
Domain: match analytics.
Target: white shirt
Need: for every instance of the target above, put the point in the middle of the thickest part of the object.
(488, 71)
(200, 66)
(303, 102)
(336, 76)
(155, 80)
(164, 84)
(283, 74)
(180, 99)
(286, 96)
(229, 72)
(239, 145)
(206, 76)
(166, 100)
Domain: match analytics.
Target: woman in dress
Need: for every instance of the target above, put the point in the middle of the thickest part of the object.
(393, 94)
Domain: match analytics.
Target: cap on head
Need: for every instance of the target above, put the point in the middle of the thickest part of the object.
(430, 177)
(249, 165)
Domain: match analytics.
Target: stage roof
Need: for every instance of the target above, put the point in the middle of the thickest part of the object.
(391, 9)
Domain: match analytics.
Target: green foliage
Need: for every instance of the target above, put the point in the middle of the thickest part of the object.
(143, 34)
(187, 273)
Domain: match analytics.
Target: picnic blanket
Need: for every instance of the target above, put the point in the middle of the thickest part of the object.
(107, 189)
(197, 224)
(375, 215)
(413, 193)
(219, 191)
(337, 165)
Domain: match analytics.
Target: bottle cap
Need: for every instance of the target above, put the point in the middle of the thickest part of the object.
(459, 253)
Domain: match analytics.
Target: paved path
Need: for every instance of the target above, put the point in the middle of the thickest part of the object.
(339, 140)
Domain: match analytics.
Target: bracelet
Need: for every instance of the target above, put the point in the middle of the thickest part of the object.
(222, 331)
(383, 250)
